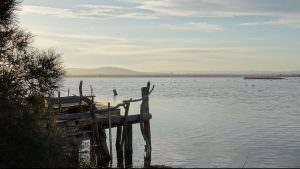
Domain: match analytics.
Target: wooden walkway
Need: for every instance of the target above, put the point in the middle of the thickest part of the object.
(81, 118)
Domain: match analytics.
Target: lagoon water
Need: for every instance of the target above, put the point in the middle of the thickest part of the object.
(211, 122)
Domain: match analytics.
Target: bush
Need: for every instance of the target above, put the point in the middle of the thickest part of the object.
(27, 75)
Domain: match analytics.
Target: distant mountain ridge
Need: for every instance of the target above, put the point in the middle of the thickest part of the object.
(100, 71)
(117, 71)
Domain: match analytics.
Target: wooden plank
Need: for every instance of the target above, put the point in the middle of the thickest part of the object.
(70, 101)
(73, 116)
(116, 120)
(85, 115)
(100, 108)
(67, 99)
(68, 105)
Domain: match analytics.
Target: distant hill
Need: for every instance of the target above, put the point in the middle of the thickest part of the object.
(107, 71)
(117, 71)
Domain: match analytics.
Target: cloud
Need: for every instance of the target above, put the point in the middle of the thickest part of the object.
(87, 11)
(152, 9)
(250, 24)
(256, 39)
(76, 43)
(108, 49)
(199, 26)
(88, 51)
(87, 37)
(287, 21)
(292, 22)
(45, 10)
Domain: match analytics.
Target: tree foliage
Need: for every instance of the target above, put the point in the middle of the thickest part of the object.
(27, 75)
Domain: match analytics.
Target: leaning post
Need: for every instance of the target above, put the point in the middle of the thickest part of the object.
(80, 95)
(145, 125)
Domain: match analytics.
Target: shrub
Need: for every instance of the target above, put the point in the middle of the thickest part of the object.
(28, 137)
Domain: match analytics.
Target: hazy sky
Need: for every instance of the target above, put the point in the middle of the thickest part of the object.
(169, 35)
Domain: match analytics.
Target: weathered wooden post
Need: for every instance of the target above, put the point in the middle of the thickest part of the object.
(115, 92)
(76, 152)
(119, 148)
(80, 95)
(92, 91)
(92, 150)
(68, 92)
(110, 138)
(96, 135)
(126, 139)
(59, 102)
(105, 157)
(128, 147)
(145, 125)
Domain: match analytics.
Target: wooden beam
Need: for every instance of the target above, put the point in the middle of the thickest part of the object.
(84, 115)
(116, 121)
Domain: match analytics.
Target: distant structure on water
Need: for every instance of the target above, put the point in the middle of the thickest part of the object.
(263, 78)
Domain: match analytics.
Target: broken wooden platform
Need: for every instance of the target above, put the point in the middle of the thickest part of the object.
(81, 118)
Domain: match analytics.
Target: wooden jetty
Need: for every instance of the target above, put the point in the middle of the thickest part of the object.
(82, 118)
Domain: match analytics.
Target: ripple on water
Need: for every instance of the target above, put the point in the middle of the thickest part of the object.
(212, 122)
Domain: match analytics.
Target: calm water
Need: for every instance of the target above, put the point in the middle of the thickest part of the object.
(212, 122)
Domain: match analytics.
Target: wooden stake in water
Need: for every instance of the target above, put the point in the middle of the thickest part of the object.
(59, 102)
(80, 94)
(115, 92)
(110, 138)
(92, 92)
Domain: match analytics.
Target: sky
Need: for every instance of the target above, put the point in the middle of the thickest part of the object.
(168, 35)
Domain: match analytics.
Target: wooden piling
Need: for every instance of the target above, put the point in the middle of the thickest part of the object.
(105, 157)
(124, 142)
(126, 107)
(119, 148)
(110, 138)
(92, 150)
(76, 152)
(145, 125)
(59, 102)
(80, 94)
(96, 121)
(92, 91)
(115, 92)
(96, 135)
(128, 147)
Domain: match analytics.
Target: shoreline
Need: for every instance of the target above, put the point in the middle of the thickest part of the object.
(186, 76)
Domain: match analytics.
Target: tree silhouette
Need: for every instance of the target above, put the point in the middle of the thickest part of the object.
(27, 75)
